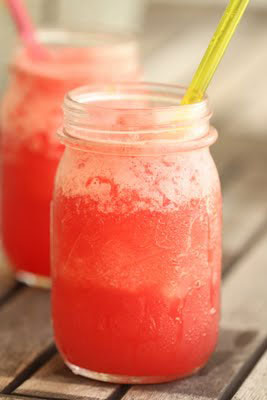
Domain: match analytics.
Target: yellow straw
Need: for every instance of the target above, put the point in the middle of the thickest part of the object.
(215, 51)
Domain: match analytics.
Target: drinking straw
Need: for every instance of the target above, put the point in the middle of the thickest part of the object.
(25, 28)
(215, 51)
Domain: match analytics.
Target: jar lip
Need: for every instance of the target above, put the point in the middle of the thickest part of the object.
(134, 115)
(79, 101)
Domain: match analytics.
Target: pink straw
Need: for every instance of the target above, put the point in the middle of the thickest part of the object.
(25, 28)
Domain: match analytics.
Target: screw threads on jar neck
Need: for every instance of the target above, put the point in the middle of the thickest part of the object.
(133, 114)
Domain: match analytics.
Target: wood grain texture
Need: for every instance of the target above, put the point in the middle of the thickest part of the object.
(227, 153)
(4, 397)
(245, 206)
(56, 381)
(255, 386)
(242, 165)
(25, 332)
(243, 329)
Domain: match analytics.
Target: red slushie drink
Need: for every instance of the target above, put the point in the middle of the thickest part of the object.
(31, 114)
(136, 242)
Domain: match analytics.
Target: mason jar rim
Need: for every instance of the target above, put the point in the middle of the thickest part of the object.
(90, 119)
(84, 98)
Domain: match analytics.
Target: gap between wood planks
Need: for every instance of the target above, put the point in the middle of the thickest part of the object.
(247, 246)
(21, 397)
(245, 371)
(255, 386)
(12, 292)
(8, 286)
(117, 395)
(30, 369)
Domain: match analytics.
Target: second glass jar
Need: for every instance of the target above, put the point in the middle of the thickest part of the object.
(31, 114)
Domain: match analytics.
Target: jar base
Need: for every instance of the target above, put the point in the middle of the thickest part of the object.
(33, 280)
(124, 379)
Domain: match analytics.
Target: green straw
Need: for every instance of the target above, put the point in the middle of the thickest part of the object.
(215, 51)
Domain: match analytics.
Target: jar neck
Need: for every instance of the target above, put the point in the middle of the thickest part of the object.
(80, 57)
(134, 116)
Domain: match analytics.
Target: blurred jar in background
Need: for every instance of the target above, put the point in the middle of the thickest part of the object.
(31, 114)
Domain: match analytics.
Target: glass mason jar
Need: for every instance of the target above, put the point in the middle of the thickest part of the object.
(31, 114)
(136, 243)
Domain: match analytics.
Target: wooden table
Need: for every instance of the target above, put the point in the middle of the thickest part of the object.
(29, 364)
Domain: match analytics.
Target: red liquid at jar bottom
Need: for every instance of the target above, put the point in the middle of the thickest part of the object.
(28, 178)
(128, 297)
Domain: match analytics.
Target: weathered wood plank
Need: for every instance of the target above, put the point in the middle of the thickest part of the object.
(243, 329)
(25, 332)
(242, 149)
(255, 386)
(4, 397)
(241, 164)
(227, 153)
(56, 381)
(245, 206)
